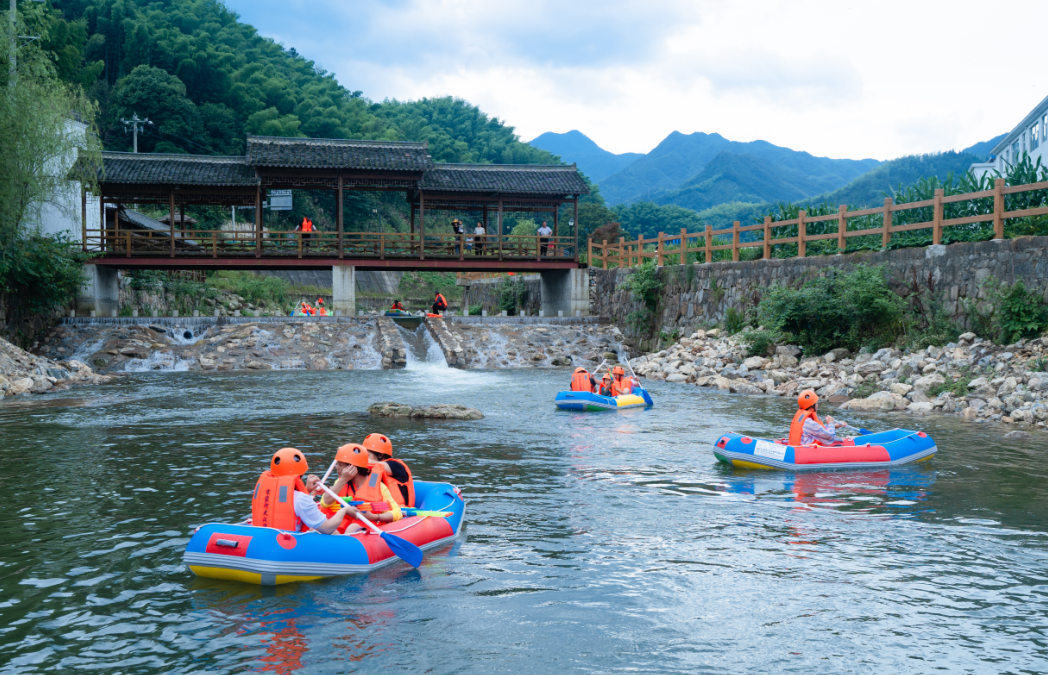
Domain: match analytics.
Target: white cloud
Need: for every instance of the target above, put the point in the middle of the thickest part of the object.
(841, 79)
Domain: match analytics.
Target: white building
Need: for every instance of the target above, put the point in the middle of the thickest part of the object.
(61, 212)
(1028, 136)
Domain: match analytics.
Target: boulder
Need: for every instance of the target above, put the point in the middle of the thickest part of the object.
(920, 407)
(754, 363)
(883, 404)
(900, 388)
(870, 367)
(20, 386)
(440, 411)
(1007, 387)
(788, 350)
(978, 383)
(1016, 435)
(970, 414)
(925, 383)
(677, 377)
(967, 337)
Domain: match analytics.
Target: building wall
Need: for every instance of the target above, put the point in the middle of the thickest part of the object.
(1028, 137)
(62, 212)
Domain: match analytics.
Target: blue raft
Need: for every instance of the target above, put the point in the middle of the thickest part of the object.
(869, 451)
(267, 556)
(584, 401)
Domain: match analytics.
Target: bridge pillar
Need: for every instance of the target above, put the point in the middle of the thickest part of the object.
(101, 291)
(565, 291)
(344, 289)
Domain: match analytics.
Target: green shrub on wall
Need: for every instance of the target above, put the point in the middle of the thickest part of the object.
(41, 273)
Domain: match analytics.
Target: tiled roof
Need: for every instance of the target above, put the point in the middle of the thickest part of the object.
(505, 179)
(157, 168)
(325, 153)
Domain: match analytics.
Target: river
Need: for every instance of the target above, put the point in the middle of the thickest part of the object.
(594, 542)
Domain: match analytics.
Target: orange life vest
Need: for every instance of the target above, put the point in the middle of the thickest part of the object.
(307, 225)
(441, 301)
(581, 382)
(621, 386)
(403, 492)
(797, 425)
(397, 305)
(370, 492)
(273, 503)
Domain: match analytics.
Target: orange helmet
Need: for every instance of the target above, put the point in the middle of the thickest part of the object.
(353, 453)
(580, 370)
(617, 370)
(288, 462)
(379, 444)
(807, 399)
(607, 376)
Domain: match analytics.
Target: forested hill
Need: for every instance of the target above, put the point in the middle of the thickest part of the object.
(206, 80)
(575, 146)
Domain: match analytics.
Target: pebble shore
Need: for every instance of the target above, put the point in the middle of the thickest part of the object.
(24, 373)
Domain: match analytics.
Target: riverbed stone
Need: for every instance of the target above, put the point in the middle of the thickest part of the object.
(884, 404)
(451, 411)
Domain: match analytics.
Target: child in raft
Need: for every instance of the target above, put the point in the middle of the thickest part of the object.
(395, 472)
(807, 428)
(357, 482)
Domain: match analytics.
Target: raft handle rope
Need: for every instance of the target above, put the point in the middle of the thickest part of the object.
(419, 521)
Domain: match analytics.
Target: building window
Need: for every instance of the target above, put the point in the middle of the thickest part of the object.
(1035, 136)
(1015, 152)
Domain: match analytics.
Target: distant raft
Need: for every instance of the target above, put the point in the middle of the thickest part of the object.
(268, 556)
(869, 451)
(584, 401)
(397, 312)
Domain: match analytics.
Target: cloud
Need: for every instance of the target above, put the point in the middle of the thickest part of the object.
(835, 79)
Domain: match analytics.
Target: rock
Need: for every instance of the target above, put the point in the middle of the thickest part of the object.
(778, 376)
(788, 350)
(1016, 435)
(785, 360)
(1007, 387)
(677, 377)
(870, 368)
(19, 386)
(978, 383)
(722, 383)
(967, 337)
(925, 383)
(611, 356)
(970, 413)
(920, 407)
(754, 363)
(976, 404)
(440, 411)
(884, 404)
(900, 388)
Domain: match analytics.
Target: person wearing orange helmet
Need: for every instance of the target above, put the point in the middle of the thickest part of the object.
(581, 380)
(395, 472)
(620, 384)
(283, 501)
(807, 428)
(357, 482)
(605, 385)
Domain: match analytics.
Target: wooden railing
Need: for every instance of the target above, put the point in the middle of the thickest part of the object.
(293, 244)
(675, 248)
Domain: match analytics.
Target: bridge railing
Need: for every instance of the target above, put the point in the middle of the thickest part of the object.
(968, 209)
(317, 244)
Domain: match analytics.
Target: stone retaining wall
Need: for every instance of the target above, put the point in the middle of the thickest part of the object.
(700, 295)
(454, 352)
(391, 345)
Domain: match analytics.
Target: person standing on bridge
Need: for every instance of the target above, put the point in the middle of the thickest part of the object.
(544, 234)
(479, 234)
(440, 304)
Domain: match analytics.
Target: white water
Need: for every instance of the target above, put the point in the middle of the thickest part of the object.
(85, 350)
(157, 361)
(423, 350)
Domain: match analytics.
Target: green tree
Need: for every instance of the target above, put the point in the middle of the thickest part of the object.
(153, 94)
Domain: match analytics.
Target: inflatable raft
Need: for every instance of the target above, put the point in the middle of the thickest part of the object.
(883, 449)
(266, 556)
(585, 401)
(397, 312)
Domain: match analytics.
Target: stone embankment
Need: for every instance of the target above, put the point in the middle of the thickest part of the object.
(391, 345)
(450, 344)
(24, 373)
(972, 378)
(494, 345)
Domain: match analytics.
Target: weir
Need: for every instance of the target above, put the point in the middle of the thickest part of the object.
(423, 350)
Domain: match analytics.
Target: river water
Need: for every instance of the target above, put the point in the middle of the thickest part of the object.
(594, 543)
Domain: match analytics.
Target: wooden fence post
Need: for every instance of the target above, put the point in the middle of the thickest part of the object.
(767, 237)
(589, 251)
(709, 239)
(937, 217)
(683, 246)
(622, 249)
(998, 209)
(735, 241)
(658, 249)
(604, 253)
(886, 237)
(640, 251)
(802, 246)
(214, 243)
(842, 227)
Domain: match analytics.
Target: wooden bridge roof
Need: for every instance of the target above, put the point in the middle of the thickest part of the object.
(128, 168)
(328, 153)
(524, 179)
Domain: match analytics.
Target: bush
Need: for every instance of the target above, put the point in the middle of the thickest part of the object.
(958, 387)
(511, 293)
(644, 284)
(255, 288)
(734, 320)
(1020, 313)
(760, 342)
(41, 273)
(850, 310)
(476, 310)
(866, 389)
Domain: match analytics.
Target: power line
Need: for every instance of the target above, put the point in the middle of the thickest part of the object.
(135, 123)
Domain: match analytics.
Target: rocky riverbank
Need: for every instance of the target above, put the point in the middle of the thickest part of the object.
(973, 378)
(24, 373)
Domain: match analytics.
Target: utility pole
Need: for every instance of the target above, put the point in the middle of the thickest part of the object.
(13, 16)
(134, 123)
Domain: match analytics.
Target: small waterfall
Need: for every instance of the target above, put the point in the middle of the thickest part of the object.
(423, 350)
(157, 362)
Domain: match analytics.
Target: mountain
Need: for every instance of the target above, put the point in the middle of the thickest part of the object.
(867, 190)
(680, 157)
(738, 178)
(983, 149)
(576, 147)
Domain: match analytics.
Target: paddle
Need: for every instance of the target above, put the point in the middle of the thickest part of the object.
(407, 510)
(402, 548)
(862, 432)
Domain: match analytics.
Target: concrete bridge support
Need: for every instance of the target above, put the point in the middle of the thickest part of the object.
(100, 293)
(344, 289)
(565, 291)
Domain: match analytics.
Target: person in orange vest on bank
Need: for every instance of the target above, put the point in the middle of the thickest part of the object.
(395, 473)
(281, 500)
(357, 482)
(581, 380)
(440, 303)
(807, 428)
(321, 310)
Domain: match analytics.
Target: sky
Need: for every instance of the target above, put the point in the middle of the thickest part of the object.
(841, 78)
